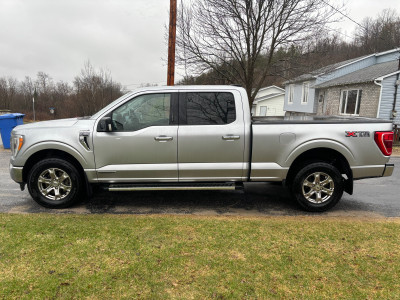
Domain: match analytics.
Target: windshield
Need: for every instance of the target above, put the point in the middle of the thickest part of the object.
(103, 110)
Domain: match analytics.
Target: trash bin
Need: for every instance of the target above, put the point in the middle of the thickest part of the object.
(7, 123)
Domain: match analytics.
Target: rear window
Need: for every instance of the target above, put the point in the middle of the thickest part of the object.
(210, 108)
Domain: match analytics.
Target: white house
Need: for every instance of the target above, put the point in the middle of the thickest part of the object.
(269, 102)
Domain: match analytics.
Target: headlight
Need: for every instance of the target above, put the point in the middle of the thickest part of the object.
(16, 143)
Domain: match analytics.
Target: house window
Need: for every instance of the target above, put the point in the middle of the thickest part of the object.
(350, 102)
(263, 110)
(304, 95)
(290, 96)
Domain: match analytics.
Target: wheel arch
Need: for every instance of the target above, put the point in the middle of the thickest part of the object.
(322, 154)
(54, 153)
(49, 153)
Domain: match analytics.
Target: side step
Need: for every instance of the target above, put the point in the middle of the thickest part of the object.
(127, 187)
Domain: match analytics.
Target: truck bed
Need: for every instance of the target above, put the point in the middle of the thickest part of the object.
(278, 141)
(315, 120)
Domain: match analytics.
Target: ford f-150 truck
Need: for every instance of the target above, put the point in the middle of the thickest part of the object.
(197, 138)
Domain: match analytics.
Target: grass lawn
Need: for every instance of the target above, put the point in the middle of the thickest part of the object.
(125, 256)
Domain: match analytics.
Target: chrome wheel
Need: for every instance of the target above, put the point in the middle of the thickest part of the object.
(54, 184)
(318, 187)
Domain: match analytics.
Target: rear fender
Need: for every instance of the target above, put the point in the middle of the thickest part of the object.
(330, 144)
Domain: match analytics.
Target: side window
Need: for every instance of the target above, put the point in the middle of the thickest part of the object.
(141, 112)
(304, 96)
(210, 108)
(290, 96)
(263, 110)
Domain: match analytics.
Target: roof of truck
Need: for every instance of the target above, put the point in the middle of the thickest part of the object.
(188, 87)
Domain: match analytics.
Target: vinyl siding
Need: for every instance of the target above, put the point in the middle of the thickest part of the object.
(347, 69)
(388, 88)
(274, 104)
(297, 94)
(388, 57)
(267, 91)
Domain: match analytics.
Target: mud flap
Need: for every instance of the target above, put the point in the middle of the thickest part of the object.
(348, 185)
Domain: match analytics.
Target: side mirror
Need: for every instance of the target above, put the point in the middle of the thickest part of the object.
(105, 125)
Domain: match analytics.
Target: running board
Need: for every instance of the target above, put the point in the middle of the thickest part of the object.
(174, 187)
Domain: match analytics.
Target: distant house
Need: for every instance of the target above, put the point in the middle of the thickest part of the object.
(269, 102)
(366, 86)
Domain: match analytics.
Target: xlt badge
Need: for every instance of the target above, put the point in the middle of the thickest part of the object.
(357, 133)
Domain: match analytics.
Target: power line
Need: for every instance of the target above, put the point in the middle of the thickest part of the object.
(344, 15)
(355, 22)
(338, 31)
(142, 83)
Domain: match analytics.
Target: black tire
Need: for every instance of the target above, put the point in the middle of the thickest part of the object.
(318, 186)
(59, 179)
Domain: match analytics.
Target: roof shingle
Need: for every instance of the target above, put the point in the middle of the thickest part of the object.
(322, 70)
(367, 74)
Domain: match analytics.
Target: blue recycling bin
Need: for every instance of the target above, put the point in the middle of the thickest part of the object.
(7, 123)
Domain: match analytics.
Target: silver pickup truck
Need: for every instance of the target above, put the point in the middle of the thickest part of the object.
(197, 138)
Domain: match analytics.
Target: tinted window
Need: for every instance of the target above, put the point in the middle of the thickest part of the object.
(210, 108)
(142, 111)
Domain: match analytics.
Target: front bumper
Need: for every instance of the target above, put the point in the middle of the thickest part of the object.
(16, 173)
(388, 170)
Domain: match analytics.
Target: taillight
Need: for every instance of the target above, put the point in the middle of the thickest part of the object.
(384, 140)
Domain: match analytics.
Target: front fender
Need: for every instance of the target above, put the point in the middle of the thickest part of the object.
(85, 160)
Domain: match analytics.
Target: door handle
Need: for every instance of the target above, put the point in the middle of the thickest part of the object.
(230, 137)
(163, 138)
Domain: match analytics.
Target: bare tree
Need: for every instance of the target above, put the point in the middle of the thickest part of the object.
(94, 89)
(379, 34)
(8, 91)
(3, 93)
(26, 89)
(231, 36)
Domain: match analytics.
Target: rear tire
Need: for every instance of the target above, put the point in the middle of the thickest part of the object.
(318, 187)
(54, 183)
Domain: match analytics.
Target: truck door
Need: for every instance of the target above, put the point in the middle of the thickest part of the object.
(142, 145)
(211, 136)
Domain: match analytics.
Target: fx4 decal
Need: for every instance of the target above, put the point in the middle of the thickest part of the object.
(357, 133)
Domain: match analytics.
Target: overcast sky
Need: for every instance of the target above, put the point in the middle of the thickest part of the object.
(124, 36)
(360, 9)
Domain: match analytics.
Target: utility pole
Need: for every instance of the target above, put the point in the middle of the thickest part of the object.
(33, 104)
(171, 43)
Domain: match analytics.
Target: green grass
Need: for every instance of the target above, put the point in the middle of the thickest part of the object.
(123, 256)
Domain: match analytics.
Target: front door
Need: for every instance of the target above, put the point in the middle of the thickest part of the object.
(211, 136)
(142, 146)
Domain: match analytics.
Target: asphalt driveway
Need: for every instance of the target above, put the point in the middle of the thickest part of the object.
(377, 197)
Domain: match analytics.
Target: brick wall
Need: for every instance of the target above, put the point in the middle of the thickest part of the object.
(369, 99)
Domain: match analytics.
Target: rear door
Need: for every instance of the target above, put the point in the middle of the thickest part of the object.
(211, 136)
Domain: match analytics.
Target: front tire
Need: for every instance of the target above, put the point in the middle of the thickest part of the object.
(318, 187)
(54, 183)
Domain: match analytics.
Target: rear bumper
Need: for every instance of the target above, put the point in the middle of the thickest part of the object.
(370, 171)
(388, 170)
(16, 173)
